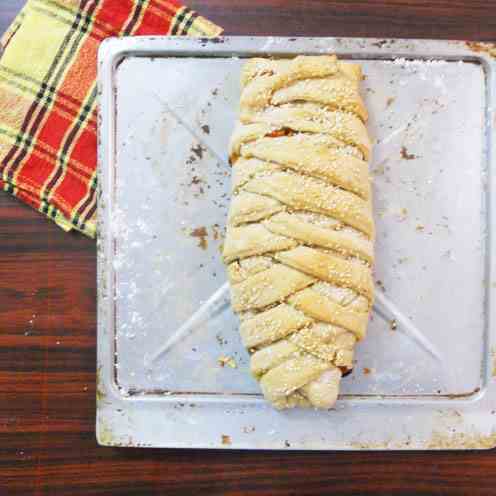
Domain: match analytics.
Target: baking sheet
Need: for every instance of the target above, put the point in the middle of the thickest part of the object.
(165, 324)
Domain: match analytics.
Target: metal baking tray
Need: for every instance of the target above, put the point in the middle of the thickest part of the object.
(171, 369)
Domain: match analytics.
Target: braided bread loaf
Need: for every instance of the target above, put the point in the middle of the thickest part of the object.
(299, 241)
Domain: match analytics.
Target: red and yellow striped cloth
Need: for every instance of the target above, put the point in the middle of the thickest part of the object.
(48, 96)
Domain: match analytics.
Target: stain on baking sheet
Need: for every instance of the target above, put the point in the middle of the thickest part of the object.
(202, 235)
(449, 432)
(216, 233)
(198, 150)
(489, 48)
(390, 101)
(460, 440)
(381, 168)
(438, 440)
(405, 155)
(105, 435)
(195, 180)
(100, 388)
(380, 43)
(205, 41)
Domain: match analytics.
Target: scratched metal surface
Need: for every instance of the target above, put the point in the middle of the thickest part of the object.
(165, 319)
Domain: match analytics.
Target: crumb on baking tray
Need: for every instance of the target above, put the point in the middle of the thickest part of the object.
(366, 371)
(393, 325)
(226, 360)
(403, 214)
(226, 440)
(419, 227)
(205, 128)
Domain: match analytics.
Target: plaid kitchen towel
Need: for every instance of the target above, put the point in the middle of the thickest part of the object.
(48, 96)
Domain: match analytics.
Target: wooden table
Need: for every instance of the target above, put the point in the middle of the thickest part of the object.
(48, 326)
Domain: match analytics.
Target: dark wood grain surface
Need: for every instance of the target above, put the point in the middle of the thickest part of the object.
(48, 327)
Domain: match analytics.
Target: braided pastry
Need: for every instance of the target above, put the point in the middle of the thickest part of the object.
(299, 241)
